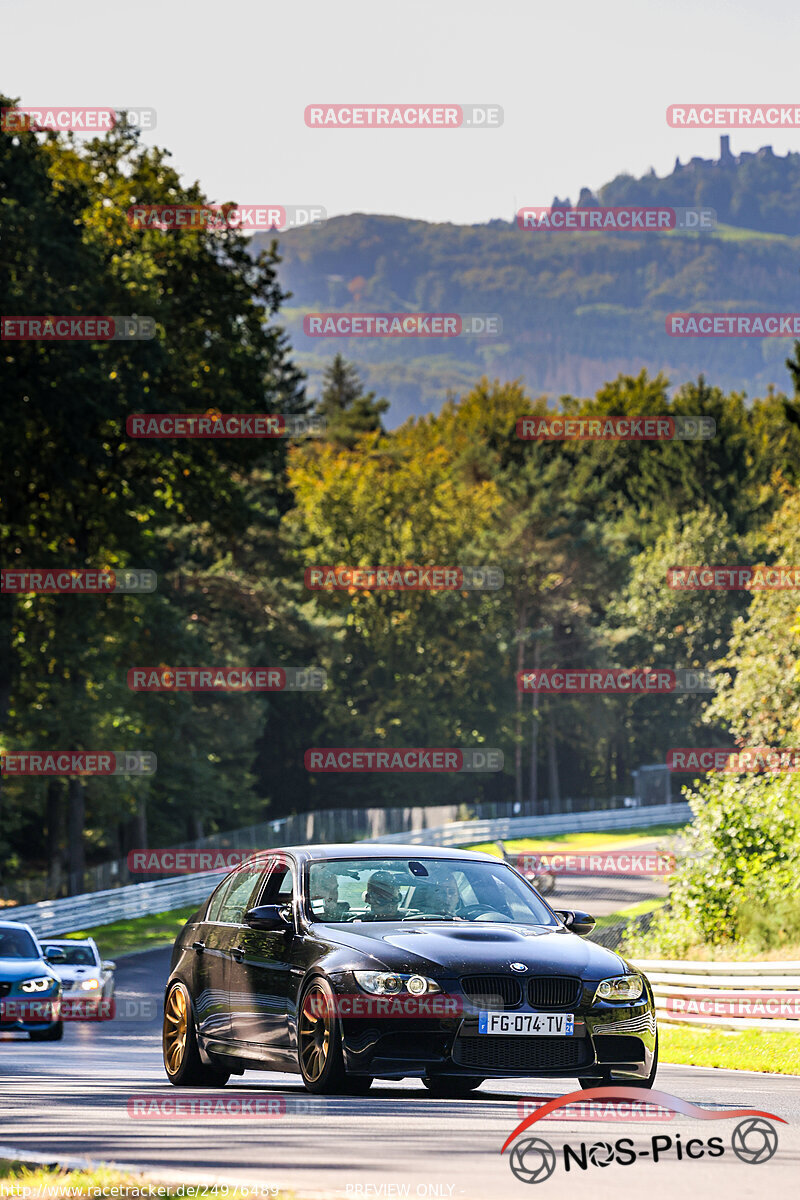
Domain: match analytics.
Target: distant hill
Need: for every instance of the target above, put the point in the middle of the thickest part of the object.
(577, 308)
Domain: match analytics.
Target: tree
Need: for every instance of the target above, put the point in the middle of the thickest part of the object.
(79, 492)
(759, 695)
(348, 411)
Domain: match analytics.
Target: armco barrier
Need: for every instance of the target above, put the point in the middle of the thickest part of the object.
(319, 826)
(52, 917)
(470, 833)
(724, 981)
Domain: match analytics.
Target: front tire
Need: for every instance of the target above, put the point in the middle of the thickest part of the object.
(452, 1086)
(182, 1061)
(319, 1045)
(54, 1034)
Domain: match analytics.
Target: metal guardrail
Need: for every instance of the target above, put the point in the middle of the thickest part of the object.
(320, 826)
(53, 917)
(50, 918)
(463, 833)
(722, 982)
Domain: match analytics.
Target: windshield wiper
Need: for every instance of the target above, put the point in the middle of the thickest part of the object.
(434, 917)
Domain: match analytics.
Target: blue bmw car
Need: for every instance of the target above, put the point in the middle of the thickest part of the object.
(30, 990)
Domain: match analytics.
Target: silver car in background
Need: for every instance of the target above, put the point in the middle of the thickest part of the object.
(86, 979)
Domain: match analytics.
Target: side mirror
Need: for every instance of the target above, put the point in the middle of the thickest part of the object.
(54, 954)
(269, 916)
(576, 922)
(108, 965)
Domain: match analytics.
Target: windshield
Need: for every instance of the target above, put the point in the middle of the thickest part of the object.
(75, 956)
(17, 943)
(402, 889)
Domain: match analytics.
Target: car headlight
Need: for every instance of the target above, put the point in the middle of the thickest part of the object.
(390, 983)
(42, 984)
(90, 985)
(620, 987)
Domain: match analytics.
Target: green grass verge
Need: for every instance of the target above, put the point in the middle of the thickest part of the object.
(608, 840)
(51, 1181)
(137, 933)
(750, 1050)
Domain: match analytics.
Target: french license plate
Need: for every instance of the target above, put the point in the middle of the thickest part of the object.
(527, 1024)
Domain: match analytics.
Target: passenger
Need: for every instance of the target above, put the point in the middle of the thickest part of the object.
(448, 897)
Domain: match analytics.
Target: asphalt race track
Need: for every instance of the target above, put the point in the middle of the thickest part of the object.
(71, 1099)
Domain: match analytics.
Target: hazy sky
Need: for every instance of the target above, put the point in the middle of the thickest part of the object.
(584, 86)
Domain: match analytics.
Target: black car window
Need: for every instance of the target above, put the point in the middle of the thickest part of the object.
(397, 889)
(76, 956)
(279, 886)
(232, 899)
(17, 943)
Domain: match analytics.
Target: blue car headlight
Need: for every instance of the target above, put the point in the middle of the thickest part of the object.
(620, 987)
(43, 983)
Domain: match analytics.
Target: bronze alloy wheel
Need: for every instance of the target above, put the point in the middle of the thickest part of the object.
(315, 1032)
(176, 1024)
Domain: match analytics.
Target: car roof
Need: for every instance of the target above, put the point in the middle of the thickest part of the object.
(67, 941)
(375, 850)
(17, 925)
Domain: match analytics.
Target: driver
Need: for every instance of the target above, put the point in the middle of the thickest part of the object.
(327, 890)
(382, 897)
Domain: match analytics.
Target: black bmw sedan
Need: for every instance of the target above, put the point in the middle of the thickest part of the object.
(350, 963)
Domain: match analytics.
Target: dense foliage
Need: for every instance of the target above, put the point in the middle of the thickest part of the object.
(583, 533)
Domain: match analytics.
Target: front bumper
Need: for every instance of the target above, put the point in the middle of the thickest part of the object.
(23, 1014)
(619, 1038)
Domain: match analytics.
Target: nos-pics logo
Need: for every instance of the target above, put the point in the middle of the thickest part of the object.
(533, 1160)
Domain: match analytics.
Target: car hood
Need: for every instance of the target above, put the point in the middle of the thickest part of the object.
(464, 948)
(70, 974)
(12, 969)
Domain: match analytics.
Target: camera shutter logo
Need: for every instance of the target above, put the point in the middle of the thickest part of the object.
(533, 1160)
(754, 1140)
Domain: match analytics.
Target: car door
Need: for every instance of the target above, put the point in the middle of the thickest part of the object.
(211, 943)
(259, 970)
